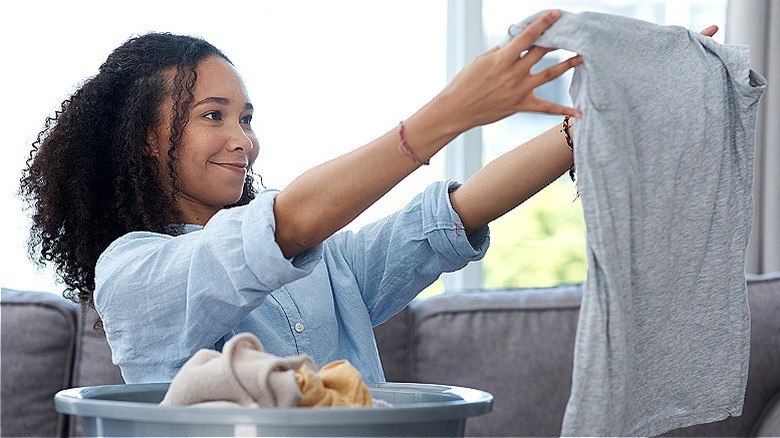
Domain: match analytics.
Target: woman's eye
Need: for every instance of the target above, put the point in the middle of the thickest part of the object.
(247, 119)
(214, 115)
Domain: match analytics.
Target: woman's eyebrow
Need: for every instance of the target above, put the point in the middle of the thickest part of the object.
(219, 100)
(214, 99)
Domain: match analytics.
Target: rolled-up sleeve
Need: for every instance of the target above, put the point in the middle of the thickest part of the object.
(395, 258)
(444, 229)
(256, 240)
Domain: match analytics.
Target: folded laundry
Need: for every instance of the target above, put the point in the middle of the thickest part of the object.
(336, 384)
(245, 375)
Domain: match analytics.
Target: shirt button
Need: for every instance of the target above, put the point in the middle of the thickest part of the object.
(298, 327)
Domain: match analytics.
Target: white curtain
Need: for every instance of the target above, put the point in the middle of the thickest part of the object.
(757, 24)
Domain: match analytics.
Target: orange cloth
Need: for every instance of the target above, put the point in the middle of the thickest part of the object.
(337, 383)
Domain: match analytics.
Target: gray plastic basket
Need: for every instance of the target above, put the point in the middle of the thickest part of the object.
(133, 410)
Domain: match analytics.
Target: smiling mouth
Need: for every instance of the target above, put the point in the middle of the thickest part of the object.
(238, 168)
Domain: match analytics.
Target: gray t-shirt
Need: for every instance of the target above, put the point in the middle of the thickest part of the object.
(664, 154)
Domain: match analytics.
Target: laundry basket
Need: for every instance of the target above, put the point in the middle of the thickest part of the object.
(414, 410)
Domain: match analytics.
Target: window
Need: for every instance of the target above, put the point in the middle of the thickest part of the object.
(325, 77)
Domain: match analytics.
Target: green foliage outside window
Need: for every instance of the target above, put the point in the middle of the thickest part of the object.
(540, 243)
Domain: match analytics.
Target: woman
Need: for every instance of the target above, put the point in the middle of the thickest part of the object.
(130, 184)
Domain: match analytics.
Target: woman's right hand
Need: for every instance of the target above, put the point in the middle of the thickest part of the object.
(499, 82)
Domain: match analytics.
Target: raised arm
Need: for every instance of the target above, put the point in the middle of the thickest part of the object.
(512, 178)
(495, 85)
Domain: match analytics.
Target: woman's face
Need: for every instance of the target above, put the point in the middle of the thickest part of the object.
(218, 145)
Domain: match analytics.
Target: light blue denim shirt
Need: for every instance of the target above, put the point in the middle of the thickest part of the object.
(162, 297)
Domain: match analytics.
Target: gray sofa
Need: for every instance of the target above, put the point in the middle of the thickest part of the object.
(516, 344)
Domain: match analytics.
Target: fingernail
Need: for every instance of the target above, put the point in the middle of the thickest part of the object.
(555, 13)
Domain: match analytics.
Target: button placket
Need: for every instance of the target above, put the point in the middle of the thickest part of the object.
(295, 320)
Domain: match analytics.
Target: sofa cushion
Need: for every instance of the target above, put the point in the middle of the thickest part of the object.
(764, 374)
(38, 329)
(516, 344)
(92, 365)
(769, 425)
(392, 340)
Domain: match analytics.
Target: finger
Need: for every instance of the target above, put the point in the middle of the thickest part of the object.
(530, 34)
(709, 30)
(547, 107)
(555, 71)
(534, 54)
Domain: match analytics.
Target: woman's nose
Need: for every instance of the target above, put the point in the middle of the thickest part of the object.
(239, 139)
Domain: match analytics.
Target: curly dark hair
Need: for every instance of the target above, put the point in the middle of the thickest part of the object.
(90, 177)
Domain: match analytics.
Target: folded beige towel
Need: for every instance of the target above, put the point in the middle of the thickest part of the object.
(336, 384)
(243, 374)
